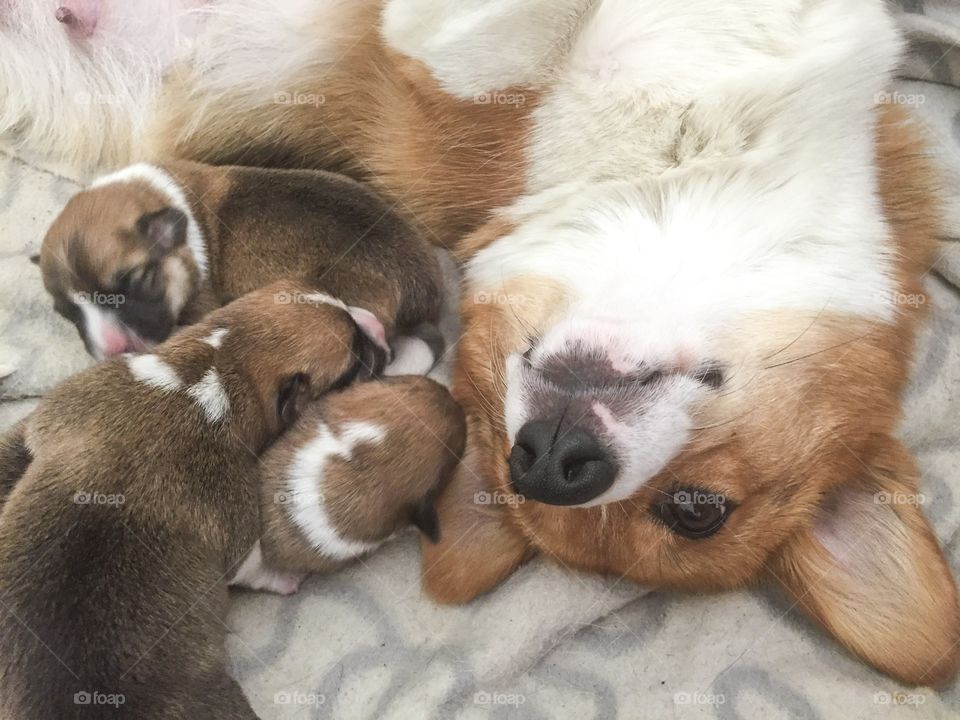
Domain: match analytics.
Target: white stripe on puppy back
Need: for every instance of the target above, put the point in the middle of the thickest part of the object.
(305, 487)
(215, 339)
(160, 181)
(210, 396)
(151, 370)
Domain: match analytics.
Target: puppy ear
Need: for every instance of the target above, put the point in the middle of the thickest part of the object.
(871, 572)
(163, 230)
(424, 517)
(479, 547)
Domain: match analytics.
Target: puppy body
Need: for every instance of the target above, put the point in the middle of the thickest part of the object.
(357, 466)
(135, 497)
(149, 247)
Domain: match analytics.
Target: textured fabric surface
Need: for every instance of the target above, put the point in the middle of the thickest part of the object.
(365, 643)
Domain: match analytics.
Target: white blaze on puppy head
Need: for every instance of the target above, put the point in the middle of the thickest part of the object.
(306, 487)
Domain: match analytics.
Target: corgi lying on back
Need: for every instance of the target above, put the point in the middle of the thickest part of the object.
(131, 494)
(357, 466)
(149, 248)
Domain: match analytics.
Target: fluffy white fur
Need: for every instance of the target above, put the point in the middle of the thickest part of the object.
(474, 47)
(87, 100)
(306, 482)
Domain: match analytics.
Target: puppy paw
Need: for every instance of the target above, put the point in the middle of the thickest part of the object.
(417, 353)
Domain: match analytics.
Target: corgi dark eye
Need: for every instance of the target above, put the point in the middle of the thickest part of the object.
(693, 513)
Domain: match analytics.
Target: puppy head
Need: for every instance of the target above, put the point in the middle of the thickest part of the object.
(123, 260)
(254, 364)
(360, 465)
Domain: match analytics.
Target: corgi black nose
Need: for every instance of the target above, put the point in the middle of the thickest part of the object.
(568, 467)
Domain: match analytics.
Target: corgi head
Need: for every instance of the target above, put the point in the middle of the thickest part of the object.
(664, 393)
(124, 259)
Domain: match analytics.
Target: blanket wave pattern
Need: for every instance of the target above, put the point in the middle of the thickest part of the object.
(365, 643)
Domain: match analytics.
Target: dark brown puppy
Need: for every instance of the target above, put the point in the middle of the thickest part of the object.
(356, 467)
(148, 248)
(138, 496)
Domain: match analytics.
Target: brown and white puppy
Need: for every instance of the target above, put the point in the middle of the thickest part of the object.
(136, 495)
(151, 247)
(356, 467)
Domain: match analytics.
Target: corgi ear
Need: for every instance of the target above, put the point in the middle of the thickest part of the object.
(871, 572)
(478, 547)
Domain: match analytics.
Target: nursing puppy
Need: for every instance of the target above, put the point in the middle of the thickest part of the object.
(149, 248)
(136, 497)
(356, 467)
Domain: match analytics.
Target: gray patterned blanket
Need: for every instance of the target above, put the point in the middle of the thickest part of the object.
(365, 643)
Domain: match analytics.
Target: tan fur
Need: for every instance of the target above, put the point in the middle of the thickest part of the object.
(381, 486)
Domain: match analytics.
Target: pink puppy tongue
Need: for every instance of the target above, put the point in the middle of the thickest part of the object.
(80, 16)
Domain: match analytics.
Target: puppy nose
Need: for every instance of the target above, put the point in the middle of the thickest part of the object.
(559, 468)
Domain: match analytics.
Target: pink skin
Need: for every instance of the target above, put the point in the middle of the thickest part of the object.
(80, 17)
(111, 340)
(371, 326)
